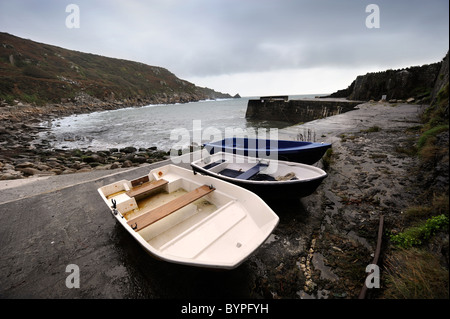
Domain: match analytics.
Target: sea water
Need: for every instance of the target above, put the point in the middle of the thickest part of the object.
(156, 125)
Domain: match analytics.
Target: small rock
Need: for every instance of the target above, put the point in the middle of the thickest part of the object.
(42, 167)
(114, 166)
(11, 175)
(68, 171)
(94, 158)
(129, 149)
(29, 171)
(139, 159)
(25, 165)
(57, 171)
(127, 163)
(338, 249)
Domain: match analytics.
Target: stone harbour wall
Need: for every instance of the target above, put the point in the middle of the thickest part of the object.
(296, 111)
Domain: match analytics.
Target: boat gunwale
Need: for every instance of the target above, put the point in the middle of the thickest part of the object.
(305, 145)
(269, 227)
(199, 169)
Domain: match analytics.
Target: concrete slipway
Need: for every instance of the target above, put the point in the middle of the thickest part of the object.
(49, 223)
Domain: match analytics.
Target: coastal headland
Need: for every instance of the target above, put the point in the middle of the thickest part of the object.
(40, 82)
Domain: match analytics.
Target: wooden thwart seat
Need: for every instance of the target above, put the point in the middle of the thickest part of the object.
(146, 188)
(251, 172)
(140, 181)
(148, 218)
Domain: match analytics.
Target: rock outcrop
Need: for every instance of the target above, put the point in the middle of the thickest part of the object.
(441, 81)
(416, 82)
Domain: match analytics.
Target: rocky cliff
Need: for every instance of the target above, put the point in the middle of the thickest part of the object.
(37, 73)
(416, 82)
(441, 82)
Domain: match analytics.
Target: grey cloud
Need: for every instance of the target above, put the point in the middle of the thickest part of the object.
(213, 37)
(294, 34)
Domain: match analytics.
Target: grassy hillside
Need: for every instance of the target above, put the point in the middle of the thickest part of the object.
(39, 73)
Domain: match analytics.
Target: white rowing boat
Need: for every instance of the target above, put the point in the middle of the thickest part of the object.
(191, 219)
(265, 177)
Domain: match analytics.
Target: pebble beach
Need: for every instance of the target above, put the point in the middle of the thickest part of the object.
(21, 157)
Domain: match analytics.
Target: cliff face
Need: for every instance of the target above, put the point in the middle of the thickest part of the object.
(38, 73)
(414, 82)
(441, 81)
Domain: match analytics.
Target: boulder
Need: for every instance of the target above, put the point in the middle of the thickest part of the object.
(29, 171)
(126, 164)
(129, 149)
(94, 158)
(24, 165)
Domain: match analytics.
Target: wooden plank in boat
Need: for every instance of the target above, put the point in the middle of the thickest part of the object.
(148, 218)
(250, 173)
(146, 188)
(140, 181)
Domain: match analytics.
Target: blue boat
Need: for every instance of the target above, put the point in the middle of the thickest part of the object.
(292, 151)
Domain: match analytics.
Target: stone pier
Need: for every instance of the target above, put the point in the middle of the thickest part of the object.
(296, 111)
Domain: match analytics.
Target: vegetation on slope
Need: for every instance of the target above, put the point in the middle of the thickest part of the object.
(417, 262)
(39, 73)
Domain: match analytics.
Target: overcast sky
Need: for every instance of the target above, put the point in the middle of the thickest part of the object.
(250, 47)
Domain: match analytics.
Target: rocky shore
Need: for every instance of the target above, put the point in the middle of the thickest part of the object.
(20, 157)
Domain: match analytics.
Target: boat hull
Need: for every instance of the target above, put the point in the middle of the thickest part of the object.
(299, 187)
(292, 151)
(189, 219)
